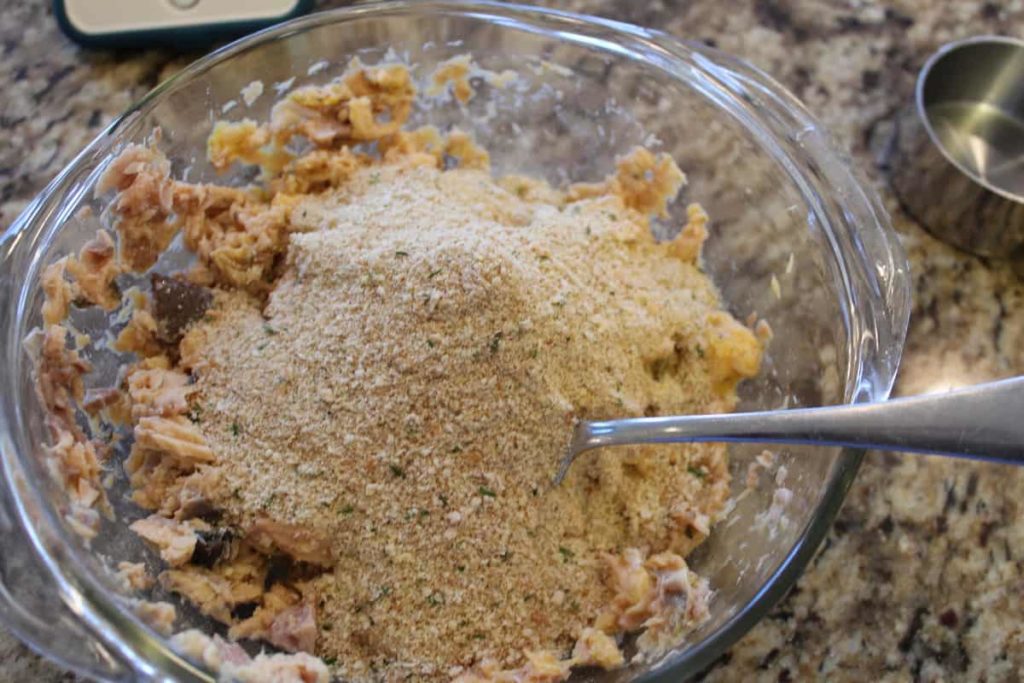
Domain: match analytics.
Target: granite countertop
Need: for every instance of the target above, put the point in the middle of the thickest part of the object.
(922, 575)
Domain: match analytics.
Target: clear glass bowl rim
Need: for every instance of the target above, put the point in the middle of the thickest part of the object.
(877, 283)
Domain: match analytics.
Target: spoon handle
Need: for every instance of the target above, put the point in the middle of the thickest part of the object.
(985, 421)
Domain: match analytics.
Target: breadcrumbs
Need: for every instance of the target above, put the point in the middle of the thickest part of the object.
(409, 387)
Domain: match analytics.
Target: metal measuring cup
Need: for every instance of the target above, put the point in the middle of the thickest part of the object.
(959, 159)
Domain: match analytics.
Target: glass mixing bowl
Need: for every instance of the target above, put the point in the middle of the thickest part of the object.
(796, 239)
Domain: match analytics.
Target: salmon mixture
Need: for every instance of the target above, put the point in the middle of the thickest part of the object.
(348, 411)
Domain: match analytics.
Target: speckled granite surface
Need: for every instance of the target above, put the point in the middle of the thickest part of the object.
(922, 576)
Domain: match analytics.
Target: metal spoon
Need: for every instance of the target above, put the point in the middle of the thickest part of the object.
(983, 422)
